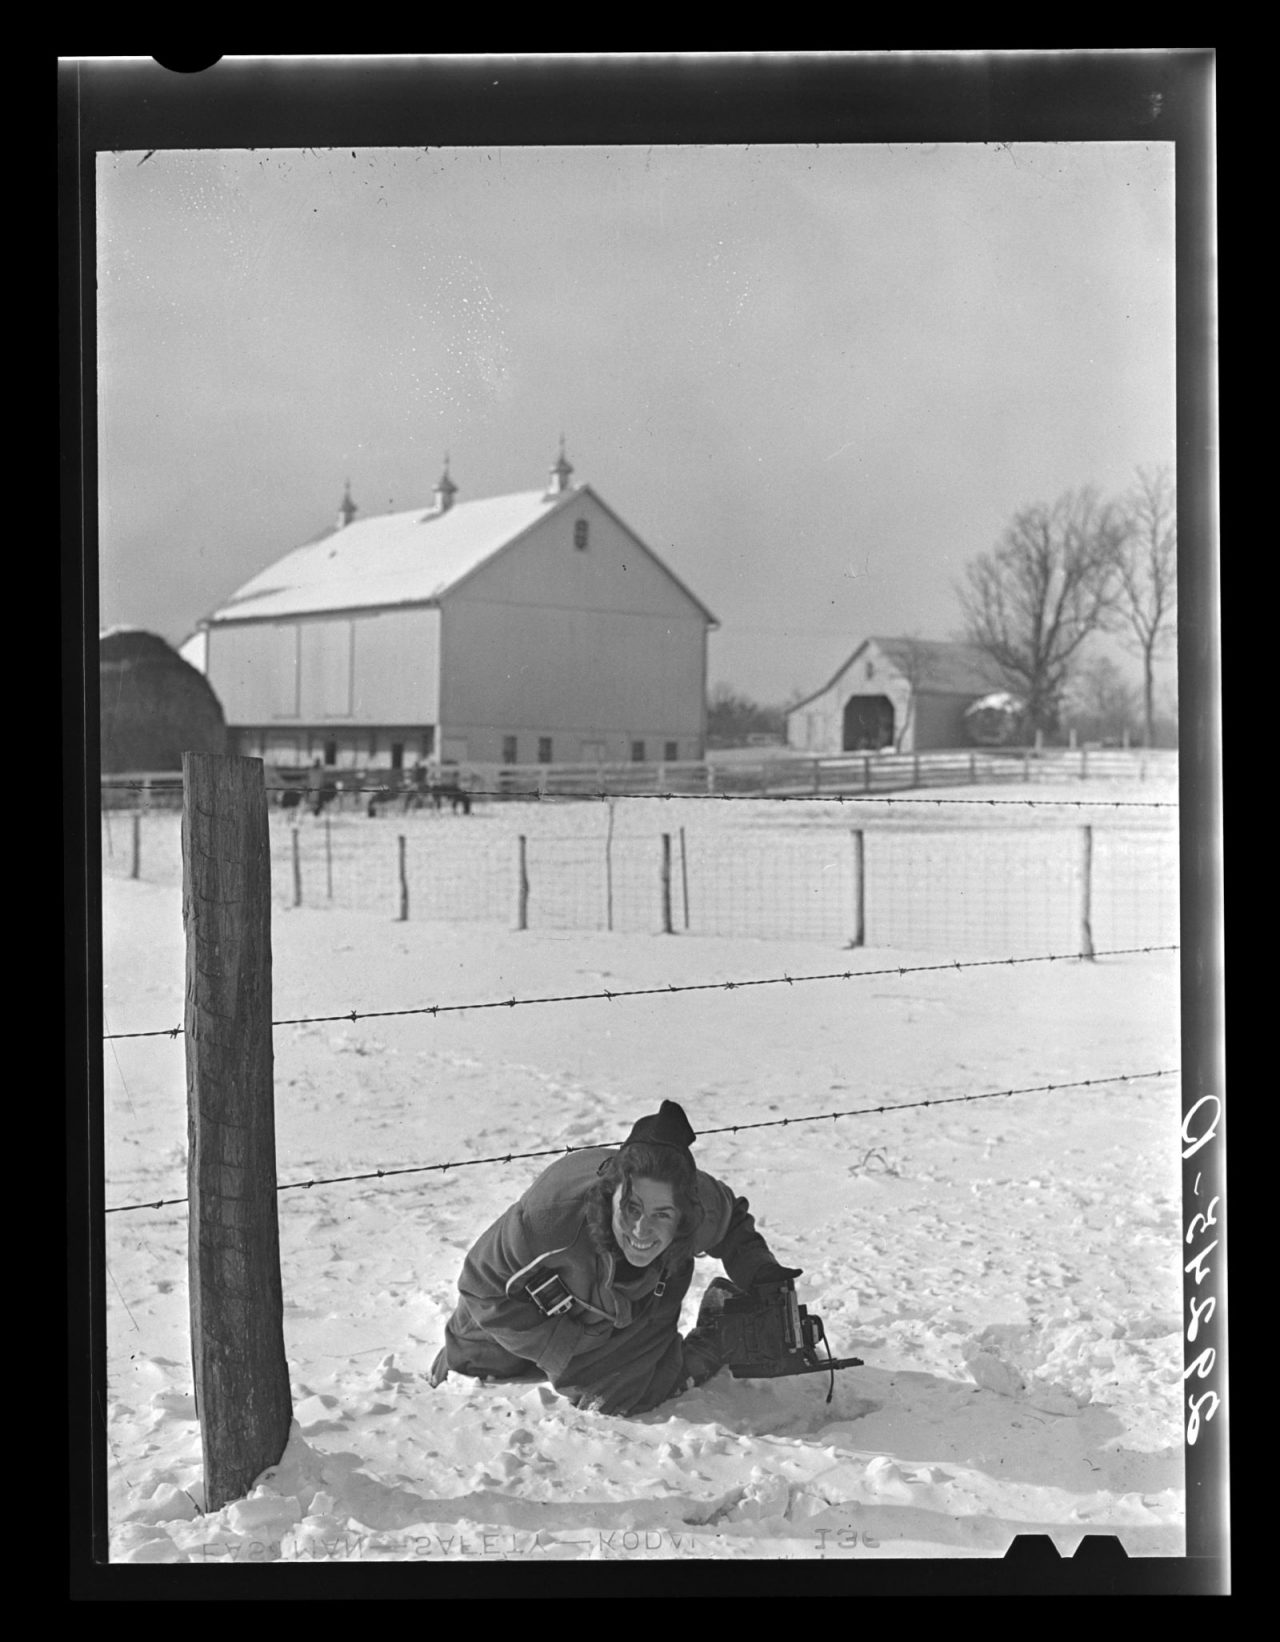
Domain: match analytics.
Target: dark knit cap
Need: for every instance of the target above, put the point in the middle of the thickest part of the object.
(666, 1127)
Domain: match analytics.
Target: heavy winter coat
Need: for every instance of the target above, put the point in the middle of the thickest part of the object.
(618, 1345)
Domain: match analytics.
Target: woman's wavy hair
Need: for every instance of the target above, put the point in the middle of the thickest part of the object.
(638, 1160)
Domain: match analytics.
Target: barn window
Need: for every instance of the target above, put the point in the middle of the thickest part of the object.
(331, 753)
(637, 752)
(544, 749)
(871, 669)
(580, 535)
(509, 749)
(671, 751)
(397, 755)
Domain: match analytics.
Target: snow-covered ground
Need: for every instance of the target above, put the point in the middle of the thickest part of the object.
(1009, 1269)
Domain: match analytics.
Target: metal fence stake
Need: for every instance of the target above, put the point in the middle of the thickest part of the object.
(859, 889)
(1086, 892)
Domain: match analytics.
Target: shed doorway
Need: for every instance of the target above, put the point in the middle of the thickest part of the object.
(868, 724)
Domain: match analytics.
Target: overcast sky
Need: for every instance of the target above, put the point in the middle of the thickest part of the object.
(815, 380)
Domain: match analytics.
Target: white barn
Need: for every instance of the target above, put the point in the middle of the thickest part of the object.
(532, 628)
(907, 694)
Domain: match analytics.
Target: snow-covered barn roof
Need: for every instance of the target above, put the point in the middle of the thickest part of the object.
(409, 558)
(942, 666)
(391, 559)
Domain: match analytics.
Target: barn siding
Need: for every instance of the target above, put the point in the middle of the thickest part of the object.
(368, 669)
(613, 573)
(325, 664)
(940, 723)
(583, 673)
(254, 671)
(397, 668)
(589, 646)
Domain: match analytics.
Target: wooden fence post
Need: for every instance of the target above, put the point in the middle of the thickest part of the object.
(1084, 762)
(404, 884)
(240, 1373)
(866, 774)
(684, 878)
(667, 926)
(522, 920)
(1026, 764)
(1086, 892)
(297, 867)
(973, 769)
(859, 889)
(328, 857)
(136, 867)
(817, 776)
(915, 769)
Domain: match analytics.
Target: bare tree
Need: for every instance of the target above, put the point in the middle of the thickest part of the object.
(1103, 702)
(1148, 576)
(1041, 592)
(732, 717)
(912, 659)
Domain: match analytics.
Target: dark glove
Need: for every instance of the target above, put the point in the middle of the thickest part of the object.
(772, 1272)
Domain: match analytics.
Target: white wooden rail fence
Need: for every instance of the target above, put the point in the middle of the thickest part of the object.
(778, 775)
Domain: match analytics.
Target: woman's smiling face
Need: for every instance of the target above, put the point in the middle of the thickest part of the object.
(645, 1220)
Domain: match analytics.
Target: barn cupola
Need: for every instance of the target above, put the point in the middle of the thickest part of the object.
(446, 490)
(559, 481)
(347, 509)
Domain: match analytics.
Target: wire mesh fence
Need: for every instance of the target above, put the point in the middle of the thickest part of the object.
(993, 888)
(1136, 886)
(973, 890)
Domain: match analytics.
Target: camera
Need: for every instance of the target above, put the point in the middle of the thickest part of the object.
(767, 1334)
(550, 1296)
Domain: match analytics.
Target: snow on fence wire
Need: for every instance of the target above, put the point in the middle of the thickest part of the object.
(971, 889)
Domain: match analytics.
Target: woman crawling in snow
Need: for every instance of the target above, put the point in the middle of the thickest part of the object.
(581, 1281)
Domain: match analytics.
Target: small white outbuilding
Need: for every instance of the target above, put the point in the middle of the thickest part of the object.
(530, 628)
(907, 694)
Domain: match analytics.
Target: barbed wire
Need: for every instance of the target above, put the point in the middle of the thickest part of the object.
(726, 1129)
(513, 795)
(672, 988)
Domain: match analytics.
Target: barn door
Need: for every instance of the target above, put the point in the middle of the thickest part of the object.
(868, 724)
